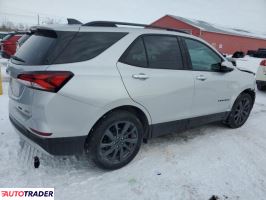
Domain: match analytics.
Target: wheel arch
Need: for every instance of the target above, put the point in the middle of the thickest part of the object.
(249, 91)
(138, 112)
(227, 119)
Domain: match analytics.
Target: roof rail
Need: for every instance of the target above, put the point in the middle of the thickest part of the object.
(114, 24)
(73, 21)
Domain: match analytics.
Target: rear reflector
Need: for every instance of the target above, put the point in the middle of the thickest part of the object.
(40, 133)
(51, 81)
(263, 63)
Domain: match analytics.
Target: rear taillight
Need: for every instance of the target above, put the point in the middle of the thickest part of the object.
(263, 63)
(51, 81)
(40, 133)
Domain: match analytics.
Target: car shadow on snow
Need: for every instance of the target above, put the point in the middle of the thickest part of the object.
(81, 163)
(64, 164)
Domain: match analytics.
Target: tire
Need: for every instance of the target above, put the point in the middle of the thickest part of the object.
(110, 150)
(240, 111)
(260, 87)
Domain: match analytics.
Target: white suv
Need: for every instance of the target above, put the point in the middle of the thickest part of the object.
(103, 89)
(261, 76)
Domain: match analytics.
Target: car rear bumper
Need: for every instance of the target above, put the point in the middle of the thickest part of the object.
(262, 83)
(53, 146)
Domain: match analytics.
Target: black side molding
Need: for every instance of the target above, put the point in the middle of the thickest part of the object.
(184, 124)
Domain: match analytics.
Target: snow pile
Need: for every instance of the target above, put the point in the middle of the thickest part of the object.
(206, 26)
(196, 164)
(238, 31)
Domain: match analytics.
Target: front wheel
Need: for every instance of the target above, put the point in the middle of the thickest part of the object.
(240, 111)
(115, 140)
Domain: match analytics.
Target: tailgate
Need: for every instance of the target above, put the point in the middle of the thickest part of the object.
(35, 55)
(21, 96)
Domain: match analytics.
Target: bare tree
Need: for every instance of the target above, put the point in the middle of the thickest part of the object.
(49, 20)
(7, 26)
(20, 26)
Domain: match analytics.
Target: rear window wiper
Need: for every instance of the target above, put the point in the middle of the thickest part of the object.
(18, 59)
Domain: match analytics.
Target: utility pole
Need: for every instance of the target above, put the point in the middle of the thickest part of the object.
(5, 20)
(38, 19)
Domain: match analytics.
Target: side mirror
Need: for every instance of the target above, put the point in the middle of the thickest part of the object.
(226, 66)
(232, 60)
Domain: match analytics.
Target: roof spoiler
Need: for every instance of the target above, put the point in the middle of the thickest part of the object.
(73, 21)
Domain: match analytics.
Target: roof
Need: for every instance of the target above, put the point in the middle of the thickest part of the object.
(78, 27)
(206, 26)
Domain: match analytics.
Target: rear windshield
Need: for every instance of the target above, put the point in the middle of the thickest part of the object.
(23, 39)
(35, 50)
(88, 45)
(49, 47)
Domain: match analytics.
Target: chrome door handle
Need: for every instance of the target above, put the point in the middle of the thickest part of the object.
(201, 78)
(140, 76)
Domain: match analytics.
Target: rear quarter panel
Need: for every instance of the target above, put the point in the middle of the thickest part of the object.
(95, 89)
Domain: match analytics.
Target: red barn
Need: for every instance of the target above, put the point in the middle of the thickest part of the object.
(226, 40)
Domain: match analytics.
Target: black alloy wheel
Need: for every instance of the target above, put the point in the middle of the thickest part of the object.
(119, 141)
(115, 140)
(240, 111)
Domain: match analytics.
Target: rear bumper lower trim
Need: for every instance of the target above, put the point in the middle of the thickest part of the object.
(54, 146)
(263, 83)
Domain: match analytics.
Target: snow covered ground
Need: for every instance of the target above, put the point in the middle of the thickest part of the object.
(196, 164)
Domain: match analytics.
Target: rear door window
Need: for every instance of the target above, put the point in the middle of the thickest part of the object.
(163, 52)
(136, 54)
(154, 51)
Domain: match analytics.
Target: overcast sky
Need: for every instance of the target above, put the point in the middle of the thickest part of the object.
(245, 14)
